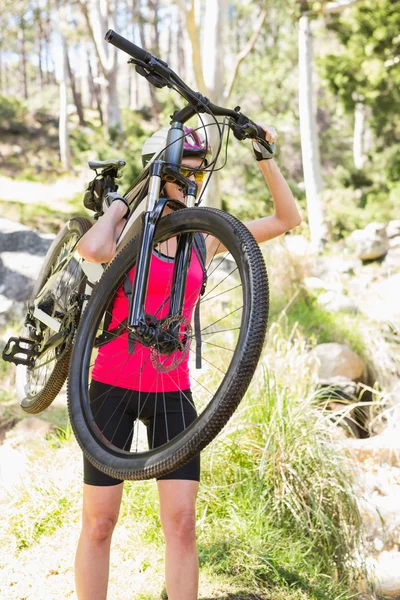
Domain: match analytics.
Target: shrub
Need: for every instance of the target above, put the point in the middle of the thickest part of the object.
(12, 111)
(276, 502)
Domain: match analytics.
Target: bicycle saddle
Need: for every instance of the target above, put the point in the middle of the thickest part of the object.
(116, 163)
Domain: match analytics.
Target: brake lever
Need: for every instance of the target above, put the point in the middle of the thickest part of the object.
(244, 128)
(156, 71)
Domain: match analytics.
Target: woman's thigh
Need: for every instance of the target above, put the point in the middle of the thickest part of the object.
(101, 503)
(177, 499)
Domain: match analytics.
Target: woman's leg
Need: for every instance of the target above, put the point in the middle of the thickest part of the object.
(100, 513)
(178, 519)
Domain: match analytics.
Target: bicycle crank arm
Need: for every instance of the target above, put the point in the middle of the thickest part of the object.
(46, 319)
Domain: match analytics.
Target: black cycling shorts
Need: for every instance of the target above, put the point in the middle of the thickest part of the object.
(120, 407)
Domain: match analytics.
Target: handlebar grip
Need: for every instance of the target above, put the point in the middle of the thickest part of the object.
(117, 40)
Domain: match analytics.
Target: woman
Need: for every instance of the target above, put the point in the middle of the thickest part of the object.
(177, 491)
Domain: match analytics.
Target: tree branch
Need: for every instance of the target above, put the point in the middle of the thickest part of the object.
(99, 48)
(332, 7)
(244, 53)
(193, 32)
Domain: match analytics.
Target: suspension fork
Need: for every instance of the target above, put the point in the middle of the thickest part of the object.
(137, 325)
(182, 259)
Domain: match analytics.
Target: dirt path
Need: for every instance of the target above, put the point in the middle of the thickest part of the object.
(31, 192)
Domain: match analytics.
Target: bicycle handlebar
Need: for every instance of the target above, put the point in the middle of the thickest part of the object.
(243, 127)
(125, 45)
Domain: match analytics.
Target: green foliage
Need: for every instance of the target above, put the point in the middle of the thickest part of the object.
(43, 518)
(276, 502)
(12, 111)
(366, 68)
(321, 326)
(91, 143)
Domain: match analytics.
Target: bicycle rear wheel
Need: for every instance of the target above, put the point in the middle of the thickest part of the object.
(233, 316)
(38, 384)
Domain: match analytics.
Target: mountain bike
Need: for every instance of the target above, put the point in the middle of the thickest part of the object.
(229, 298)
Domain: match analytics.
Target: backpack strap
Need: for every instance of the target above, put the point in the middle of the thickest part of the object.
(128, 294)
(109, 335)
(200, 248)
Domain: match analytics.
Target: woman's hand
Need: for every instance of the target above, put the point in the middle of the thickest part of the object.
(271, 136)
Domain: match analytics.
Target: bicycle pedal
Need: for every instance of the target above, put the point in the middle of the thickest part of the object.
(20, 355)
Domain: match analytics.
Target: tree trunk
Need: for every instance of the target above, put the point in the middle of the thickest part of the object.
(95, 94)
(84, 76)
(75, 94)
(65, 153)
(39, 41)
(1, 68)
(154, 7)
(155, 105)
(358, 137)
(47, 45)
(213, 61)
(309, 138)
(23, 58)
(100, 16)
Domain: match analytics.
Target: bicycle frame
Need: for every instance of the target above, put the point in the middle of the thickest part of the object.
(144, 219)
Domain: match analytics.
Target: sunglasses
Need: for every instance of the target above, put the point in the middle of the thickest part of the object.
(199, 176)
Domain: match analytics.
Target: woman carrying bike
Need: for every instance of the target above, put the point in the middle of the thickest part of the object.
(177, 490)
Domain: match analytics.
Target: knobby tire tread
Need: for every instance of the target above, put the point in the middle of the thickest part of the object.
(170, 459)
(57, 378)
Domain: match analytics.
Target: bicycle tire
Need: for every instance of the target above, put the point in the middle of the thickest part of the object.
(30, 402)
(158, 462)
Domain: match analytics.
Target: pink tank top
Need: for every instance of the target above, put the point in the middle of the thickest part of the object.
(115, 366)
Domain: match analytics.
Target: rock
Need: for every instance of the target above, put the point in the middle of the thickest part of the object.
(369, 243)
(394, 242)
(393, 228)
(383, 448)
(392, 258)
(333, 302)
(22, 251)
(328, 266)
(384, 570)
(315, 283)
(342, 387)
(381, 518)
(338, 360)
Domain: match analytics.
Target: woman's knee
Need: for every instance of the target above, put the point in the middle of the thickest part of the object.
(99, 529)
(180, 526)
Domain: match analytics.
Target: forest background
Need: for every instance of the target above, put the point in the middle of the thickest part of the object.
(327, 76)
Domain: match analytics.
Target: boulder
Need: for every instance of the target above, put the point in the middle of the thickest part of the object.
(384, 570)
(369, 243)
(334, 302)
(392, 258)
(393, 228)
(338, 360)
(22, 251)
(381, 449)
(317, 284)
(394, 242)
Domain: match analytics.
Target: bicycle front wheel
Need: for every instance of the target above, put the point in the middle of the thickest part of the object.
(163, 396)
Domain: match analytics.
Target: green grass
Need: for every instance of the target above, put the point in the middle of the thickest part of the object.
(321, 326)
(276, 505)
